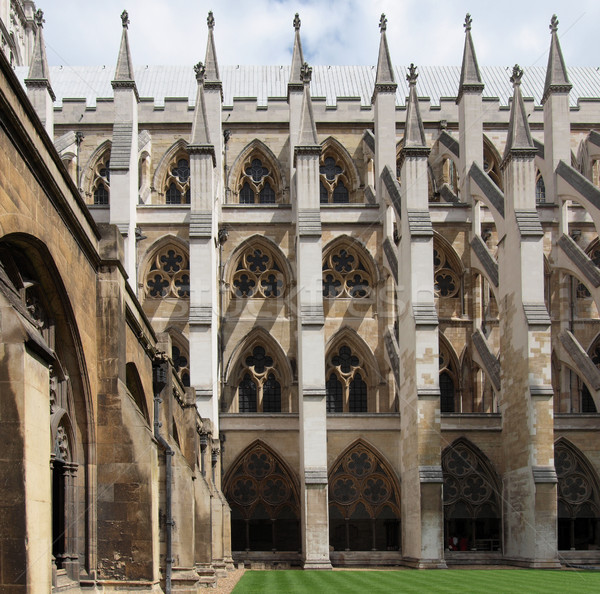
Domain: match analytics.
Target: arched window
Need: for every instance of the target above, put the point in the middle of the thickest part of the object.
(259, 389)
(181, 362)
(177, 183)
(265, 506)
(446, 277)
(102, 181)
(334, 183)
(258, 275)
(345, 385)
(472, 511)
(448, 380)
(257, 183)
(364, 502)
(578, 499)
(169, 274)
(540, 189)
(491, 162)
(345, 273)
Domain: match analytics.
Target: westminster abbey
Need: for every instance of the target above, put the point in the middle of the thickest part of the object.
(294, 316)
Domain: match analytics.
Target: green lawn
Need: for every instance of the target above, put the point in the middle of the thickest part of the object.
(454, 581)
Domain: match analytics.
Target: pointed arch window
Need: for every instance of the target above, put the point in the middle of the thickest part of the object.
(257, 183)
(265, 508)
(259, 389)
(578, 500)
(446, 277)
(491, 163)
(169, 274)
(364, 503)
(540, 189)
(102, 181)
(177, 183)
(472, 511)
(345, 274)
(346, 387)
(181, 362)
(334, 183)
(258, 275)
(448, 380)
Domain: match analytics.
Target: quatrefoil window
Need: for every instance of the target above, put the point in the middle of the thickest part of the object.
(345, 275)
(258, 275)
(169, 274)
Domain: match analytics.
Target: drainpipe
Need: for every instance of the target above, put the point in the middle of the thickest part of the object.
(159, 369)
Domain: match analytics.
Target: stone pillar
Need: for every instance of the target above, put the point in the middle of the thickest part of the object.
(311, 343)
(529, 480)
(422, 510)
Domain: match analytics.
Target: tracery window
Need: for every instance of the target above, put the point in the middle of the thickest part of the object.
(364, 503)
(177, 184)
(265, 510)
(169, 274)
(334, 182)
(257, 184)
(345, 274)
(181, 362)
(578, 500)
(259, 389)
(446, 278)
(346, 387)
(471, 506)
(102, 181)
(258, 275)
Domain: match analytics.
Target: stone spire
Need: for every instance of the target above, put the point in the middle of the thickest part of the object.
(557, 79)
(297, 56)
(385, 72)
(39, 73)
(211, 64)
(519, 136)
(308, 130)
(414, 134)
(200, 132)
(470, 77)
(124, 71)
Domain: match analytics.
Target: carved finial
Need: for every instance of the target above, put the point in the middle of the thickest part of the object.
(305, 73)
(39, 17)
(382, 23)
(297, 22)
(468, 22)
(125, 19)
(554, 24)
(210, 20)
(200, 71)
(517, 74)
(412, 75)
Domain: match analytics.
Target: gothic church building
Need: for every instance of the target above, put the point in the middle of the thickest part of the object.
(294, 316)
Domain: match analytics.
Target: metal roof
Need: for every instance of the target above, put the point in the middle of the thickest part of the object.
(329, 82)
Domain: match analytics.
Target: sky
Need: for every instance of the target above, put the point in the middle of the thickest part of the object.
(335, 32)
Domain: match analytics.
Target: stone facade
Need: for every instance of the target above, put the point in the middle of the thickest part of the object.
(295, 334)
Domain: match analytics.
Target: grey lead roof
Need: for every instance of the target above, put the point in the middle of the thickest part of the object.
(329, 82)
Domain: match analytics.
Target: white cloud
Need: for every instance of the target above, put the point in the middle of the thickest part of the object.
(425, 32)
